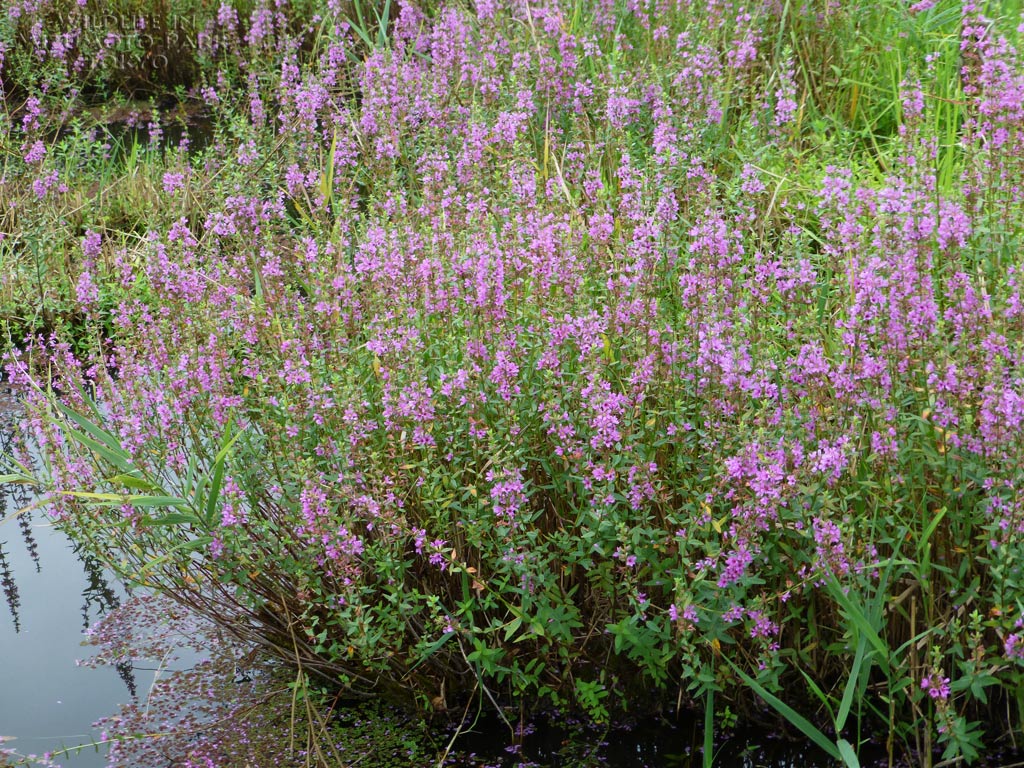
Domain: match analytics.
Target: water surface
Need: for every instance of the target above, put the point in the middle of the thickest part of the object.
(50, 596)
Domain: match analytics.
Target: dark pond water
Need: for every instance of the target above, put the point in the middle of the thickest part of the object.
(671, 742)
(167, 124)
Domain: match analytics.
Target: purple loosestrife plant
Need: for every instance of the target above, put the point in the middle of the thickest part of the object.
(551, 351)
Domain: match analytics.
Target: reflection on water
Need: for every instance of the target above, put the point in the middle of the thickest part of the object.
(99, 599)
(13, 498)
(674, 740)
(167, 124)
(9, 585)
(52, 592)
(10, 589)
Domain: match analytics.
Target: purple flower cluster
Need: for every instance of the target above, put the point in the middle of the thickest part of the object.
(541, 328)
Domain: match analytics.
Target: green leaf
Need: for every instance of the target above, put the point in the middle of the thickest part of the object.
(382, 25)
(431, 649)
(816, 690)
(22, 475)
(847, 753)
(358, 25)
(858, 617)
(174, 518)
(853, 682)
(186, 546)
(101, 435)
(94, 437)
(117, 458)
(930, 529)
(133, 481)
(795, 718)
(978, 685)
(140, 501)
(709, 729)
(147, 502)
(40, 502)
(218, 471)
(512, 627)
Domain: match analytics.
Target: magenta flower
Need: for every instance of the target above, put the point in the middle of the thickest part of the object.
(937, 686)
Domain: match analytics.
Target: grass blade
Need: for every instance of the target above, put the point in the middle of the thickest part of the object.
(853, 682)
(858, 617)
(709, 729)
(792, 716)
(218, 471)
(847, 753)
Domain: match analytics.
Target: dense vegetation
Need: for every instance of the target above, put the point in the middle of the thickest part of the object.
(599, 353)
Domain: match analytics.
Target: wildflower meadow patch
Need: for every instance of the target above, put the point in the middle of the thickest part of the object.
(593, 354)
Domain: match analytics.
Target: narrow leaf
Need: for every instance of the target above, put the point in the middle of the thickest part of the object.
(857, 616)
(853, 682)
(174, 518)
(92, 429)
(795, 718)
(133, 481)
(709, 729)
(930, 529)
(433, 648)
(218, 473)
(847, 753)
(186, 546)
